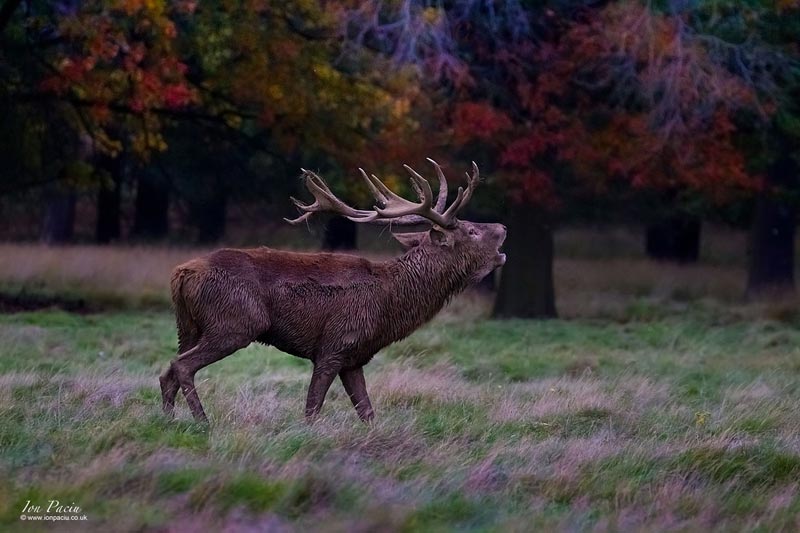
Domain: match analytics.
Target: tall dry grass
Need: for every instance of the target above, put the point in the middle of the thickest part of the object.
(609, 287)
(598, 273)
(719, 245)
(134, 275)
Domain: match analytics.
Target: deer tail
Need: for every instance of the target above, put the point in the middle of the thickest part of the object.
(188, 331)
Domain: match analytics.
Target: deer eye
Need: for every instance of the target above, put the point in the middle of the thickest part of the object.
(472, 232)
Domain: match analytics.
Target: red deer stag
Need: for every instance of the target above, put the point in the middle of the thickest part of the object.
(336, 310)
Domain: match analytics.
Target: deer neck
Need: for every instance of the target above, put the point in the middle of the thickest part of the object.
(423, 282)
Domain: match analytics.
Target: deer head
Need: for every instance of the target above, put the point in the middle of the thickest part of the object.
(474, 246)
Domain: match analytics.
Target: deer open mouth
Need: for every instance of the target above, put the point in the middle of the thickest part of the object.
(500, 258)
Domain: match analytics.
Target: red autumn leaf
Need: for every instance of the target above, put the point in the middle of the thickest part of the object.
(478, 121)
(177, 95)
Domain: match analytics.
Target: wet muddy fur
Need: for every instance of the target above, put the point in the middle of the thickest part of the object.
(335, 310)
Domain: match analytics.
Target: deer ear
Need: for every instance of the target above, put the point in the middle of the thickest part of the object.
(441, 237)
(410, 240)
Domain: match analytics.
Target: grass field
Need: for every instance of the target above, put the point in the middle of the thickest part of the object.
(684, 422)
(663, 403)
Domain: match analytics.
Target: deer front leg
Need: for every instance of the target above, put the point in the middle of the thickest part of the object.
(356, 387)
(324, 373)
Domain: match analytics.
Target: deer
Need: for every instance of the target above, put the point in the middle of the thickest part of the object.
(335, 310)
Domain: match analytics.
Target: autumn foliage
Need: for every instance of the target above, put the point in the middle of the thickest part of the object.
(622, 93)
(619, 94)
(120, 57)
(130, 68)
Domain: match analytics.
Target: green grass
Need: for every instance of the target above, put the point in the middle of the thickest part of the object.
(670, 420)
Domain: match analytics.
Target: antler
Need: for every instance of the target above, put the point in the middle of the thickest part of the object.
(392, 209)
(324, 200)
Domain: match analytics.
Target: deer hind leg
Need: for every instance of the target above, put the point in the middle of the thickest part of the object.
(188, 339)
(169, 390)
(356, 387)
(322, 377)
(209, 349)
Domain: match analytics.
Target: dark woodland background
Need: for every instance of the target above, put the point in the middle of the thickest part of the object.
(183, 123)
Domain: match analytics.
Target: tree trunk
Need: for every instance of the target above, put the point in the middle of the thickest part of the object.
(59, 214)
(209, 217)
(152, 208)
(6, 12)
(108, 201)
(771, 267)
(675, 238)
(340, 234)
(526, 282)
(59, 217)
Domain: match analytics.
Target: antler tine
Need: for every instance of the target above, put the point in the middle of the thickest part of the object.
(475, 178)
(379, 196)
(298, 220)
(395, 208)
(456, 205)
(399, 211)
(325, 200)
(400, 207)
(421, 185)
(381, 192)
(464, 196)
(441, 200)
(472, 182)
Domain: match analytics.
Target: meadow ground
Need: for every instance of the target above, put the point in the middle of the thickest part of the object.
(662, 403)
